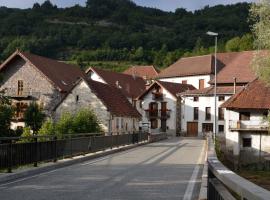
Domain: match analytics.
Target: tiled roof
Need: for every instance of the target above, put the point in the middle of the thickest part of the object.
(173, 88)
(238, 65)
(209, 91)
(149, 72)
(62, 75)
(113, 99)
(256, 95)
(130, 86)
(199, 65)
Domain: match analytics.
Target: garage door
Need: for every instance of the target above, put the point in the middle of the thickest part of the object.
(192, 129)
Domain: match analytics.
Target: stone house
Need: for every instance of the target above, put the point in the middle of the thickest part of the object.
(130, 86)
(28, 77)
(161, 107)
(114, 112)
(247, 130)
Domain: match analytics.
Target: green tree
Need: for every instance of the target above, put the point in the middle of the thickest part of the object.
(246, 42)
(260, 15)
(34, 117)
(65, 124)
(233, 44)
(6, 114)
(47, 128)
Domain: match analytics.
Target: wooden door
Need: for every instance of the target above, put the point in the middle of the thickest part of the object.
(192, 129)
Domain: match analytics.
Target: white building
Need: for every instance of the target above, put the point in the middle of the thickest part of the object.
(114, 113)
(247, 130)
(161, 108)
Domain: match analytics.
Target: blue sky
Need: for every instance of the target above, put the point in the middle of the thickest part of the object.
(168, 5)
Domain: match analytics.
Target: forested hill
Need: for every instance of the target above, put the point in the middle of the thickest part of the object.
(118, 30)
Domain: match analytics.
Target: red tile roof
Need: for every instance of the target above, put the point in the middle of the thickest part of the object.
(61, 75)
(209, 91)
(173, 88)
(199, 65)
(147, 72)
(238, 65)
(116, 103)
(130, 86)
(256, 95)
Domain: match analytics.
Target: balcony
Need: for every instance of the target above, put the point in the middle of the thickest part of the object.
(157, 96)
(252, 125)
(14, 93)
(164, 114)
(152, 114)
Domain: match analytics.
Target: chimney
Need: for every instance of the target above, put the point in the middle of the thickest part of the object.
(234, 85)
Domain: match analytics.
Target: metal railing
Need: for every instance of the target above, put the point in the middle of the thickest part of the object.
(19, 151)
(224, 184)
(163, 114)
(248, 125)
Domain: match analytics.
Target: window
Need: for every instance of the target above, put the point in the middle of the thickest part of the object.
(220, 114)
(117, 123)
(201, 83)
(122, 123)
(221, 128)
(247, 142)
(195, 98)
(221, 98)
(184, 81)
(244, 116)
(20, 87)
(207, 113)
(77, 98)
(196, 113)
(207, 127)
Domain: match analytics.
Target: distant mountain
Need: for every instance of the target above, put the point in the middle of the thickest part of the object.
(117, 29)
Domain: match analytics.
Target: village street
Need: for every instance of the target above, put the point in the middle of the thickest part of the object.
(169, 169)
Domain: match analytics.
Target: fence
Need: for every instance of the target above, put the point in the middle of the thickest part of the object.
(20, 151)
(222, 182)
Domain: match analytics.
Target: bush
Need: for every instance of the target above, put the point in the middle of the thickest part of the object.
(64, 125)
(6, 114)
(47, 128)
(27, 134)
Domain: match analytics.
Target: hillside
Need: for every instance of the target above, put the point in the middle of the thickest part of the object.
(117, 30)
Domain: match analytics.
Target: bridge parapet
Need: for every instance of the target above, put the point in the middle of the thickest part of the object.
(222, 182)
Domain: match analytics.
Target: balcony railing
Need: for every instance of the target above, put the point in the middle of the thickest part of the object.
(150, 114)
(248, 125)
(164, 114)
(158, 96)
(13, 92)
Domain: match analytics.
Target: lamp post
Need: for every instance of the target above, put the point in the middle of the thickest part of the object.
(213, 34)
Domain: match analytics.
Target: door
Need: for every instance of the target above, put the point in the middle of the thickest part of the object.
(163, 125)
(192, 129)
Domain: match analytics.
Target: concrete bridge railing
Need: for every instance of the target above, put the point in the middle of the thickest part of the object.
(222, 182)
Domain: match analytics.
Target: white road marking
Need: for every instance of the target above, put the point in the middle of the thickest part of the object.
(192, 181)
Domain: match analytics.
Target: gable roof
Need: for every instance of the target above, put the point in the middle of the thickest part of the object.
(149, 72)
(255, 95)
(190, 66)
(237, 65)
(209, 91)
(60, 74)
(172, 88)
(130, 86)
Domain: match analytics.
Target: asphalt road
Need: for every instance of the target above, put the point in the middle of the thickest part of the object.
(167, 170)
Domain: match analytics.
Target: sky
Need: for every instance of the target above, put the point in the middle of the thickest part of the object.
(167, 5)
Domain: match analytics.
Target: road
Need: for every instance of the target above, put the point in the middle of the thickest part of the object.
(165, 170)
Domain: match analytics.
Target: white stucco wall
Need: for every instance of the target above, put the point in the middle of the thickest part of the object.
(171, 105)
(234, 139)
(87, 99)
(193, 80)
(188, 105)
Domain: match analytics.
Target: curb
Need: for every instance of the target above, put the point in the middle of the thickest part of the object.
(64, 163)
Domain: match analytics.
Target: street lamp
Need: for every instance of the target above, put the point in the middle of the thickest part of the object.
(213, 34)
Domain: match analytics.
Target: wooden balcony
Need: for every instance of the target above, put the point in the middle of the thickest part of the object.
(164, 114)
(151, 114)
(14, 93)
(249, 125)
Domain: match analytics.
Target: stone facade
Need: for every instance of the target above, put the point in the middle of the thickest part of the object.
(82, 97)
(36, 87)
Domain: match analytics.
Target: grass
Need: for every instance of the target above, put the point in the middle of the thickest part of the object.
(261, 178)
